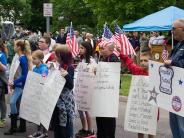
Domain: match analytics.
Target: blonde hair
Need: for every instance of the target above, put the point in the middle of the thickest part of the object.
(39, 54)
(25, 48)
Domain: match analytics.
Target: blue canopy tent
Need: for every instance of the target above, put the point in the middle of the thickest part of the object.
(159, 21)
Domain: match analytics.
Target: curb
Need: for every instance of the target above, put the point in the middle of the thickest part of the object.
(123, 98)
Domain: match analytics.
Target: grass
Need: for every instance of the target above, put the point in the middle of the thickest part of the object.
(125, 84)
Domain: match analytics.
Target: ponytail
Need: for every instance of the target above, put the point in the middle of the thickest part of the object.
(25, 48)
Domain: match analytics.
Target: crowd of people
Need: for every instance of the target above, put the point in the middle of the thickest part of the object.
(36, 52)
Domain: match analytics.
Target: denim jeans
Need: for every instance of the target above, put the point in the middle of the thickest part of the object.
(14, 98)
(2, 104)
(177, 125)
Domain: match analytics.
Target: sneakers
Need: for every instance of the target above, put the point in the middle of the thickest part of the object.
(90, 132)
(82, 132)
(2, 123)
(44, 135)
(85, 133)
(38, 135)
(35, 134)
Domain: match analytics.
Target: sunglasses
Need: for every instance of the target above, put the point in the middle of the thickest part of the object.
(101, 47)
(41, 42)
(174, 28)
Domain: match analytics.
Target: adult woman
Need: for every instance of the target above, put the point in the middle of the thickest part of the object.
(22, 48)
(64, 112)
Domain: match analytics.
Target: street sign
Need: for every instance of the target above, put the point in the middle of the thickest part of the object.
(47, 9)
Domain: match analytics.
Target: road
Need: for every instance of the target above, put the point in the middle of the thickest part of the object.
(163, 129)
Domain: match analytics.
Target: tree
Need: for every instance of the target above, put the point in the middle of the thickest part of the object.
(76, 11)
(85, 14)
(37, 20)
(125, 11)
(180, 3)
(27, 13)
(14, 10)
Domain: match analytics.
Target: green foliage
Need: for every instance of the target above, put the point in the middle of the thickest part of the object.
(37, 20)
(13, 10)
(87, 15)
(76, 11)
(125, 84)
(125, 11)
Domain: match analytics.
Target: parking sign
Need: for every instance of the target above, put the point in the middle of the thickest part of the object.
(47, 9)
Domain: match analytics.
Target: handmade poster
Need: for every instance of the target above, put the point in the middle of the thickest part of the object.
(105, 102)
(84, 84)
(141, 116)
(40, 96)
(166, 87)
(97, 88)
(13, 68)
(30, 103)
(53, 86)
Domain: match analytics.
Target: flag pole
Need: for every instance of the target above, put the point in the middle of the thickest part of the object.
(70, 28)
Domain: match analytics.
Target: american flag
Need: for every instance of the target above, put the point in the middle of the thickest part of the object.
(125, 46)
(71, 41)
(108, 38)
(164, 54)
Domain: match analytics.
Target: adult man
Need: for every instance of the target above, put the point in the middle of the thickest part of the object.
(106, 126)
(89, 38)
(79, 38)
(18, 34)
(143, 41)
(156, 39)
(61, 37)
(134, 40)
(177, 59)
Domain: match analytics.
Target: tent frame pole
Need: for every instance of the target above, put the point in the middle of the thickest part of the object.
(172, 41)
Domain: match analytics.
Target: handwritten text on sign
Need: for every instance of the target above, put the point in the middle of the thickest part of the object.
(40, 96)
(141, 117)
(30, 102)
(84, 83)
(97, 88)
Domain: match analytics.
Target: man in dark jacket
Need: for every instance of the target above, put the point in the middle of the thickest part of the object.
(61, 37)
(134, 40)
(177, 59)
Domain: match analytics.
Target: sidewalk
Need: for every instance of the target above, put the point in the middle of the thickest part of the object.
(163, 130)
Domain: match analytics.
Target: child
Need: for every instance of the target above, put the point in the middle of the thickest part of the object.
(106, 126)
(3, 84)
(139, 70)
(85, 52)
(42, 69)
(65, 108)
(22, 48)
